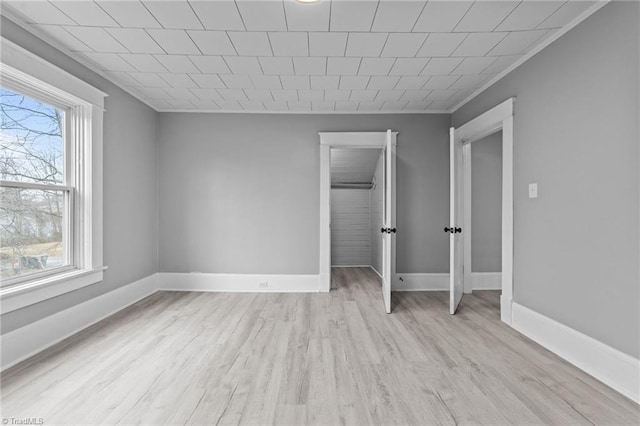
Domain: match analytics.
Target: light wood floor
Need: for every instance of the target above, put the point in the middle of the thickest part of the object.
(234, 358)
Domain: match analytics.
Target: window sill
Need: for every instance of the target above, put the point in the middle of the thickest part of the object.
(20, 295)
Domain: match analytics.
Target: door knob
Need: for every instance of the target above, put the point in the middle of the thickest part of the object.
(391, 230)
(452, 230)
(383, 230)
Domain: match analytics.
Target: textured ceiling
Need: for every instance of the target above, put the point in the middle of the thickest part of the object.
(281, 55)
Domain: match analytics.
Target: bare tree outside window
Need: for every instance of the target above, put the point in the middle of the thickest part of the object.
(32, 238)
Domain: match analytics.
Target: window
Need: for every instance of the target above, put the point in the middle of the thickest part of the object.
(36, 193)
(50, 180)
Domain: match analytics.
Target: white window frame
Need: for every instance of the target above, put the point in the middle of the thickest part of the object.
(28, 74)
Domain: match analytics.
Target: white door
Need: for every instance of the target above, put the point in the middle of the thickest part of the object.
(456, 242)
(389, 221)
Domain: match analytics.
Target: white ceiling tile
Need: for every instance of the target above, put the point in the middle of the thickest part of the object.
(337, 95)
(408, 66)
(370, 106)
(517, 42)
(236, 81)
(276, 105)
(218, 15)
(260, 15)
(266, 81)
(383, 82)
(324, 82)
(299, 106)
(501, 64)
(403, 45)
(180, 93)
(64, 37)
(149, 79)
(440, 105)
(207, 94)
(205, 105)
(485, 15)
(174, 14)
(566, 13)
(397, 15)
(311, 95)
(440, 82)
(353, 15)
(212, 42)
(365, 44)
(478, 44)
(251, 43)
(376, 66)
(415, 95)
(295, 82)
(322, 106)
(285, 95)
(178, 80)
(229, 105)
(327, 44)
(97, 39)
(207, 81)
(276, 65)
(86, 13)
(348, 82)
(109, 61)
(393, 106)
(528, 15)
(307, 17)
(441, 66)
(153, 93)
(343, 66)
(416, 106)
(123, 78)
(177, 63)
(243, 64)
(252, 105)
(289, 43)
(473, 65)
(232, 94)
(144, 63)
(363, 95)
(258, 94)
(470, 81)
(441, 44)
(40, 12)
(210, 64)
(347, 105)
(389, 95)
(174, 41)
(411, 82)
(441, 95)
(441, 16)
(135, 40)
(129, 14)
(310, 66)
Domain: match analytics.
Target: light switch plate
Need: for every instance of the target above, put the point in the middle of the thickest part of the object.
(533, 190)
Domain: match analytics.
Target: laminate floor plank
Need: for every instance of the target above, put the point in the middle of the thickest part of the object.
(307, 359)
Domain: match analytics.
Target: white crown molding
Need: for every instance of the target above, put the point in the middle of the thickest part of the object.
(435, 111)
(584, 15)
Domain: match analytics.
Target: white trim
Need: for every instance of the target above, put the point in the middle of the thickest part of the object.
(440, 281)
(24, 342)
(238, 283)
(497, 118)
(328, 112)
(562, 31)
(357, 139)
(612, 367)
(351, 266)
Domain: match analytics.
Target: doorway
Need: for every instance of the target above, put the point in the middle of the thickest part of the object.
(497, 119)
(352, 144)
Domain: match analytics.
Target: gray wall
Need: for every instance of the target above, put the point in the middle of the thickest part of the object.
(350, 227)
(576, 135)
(239, 193)
(130, 193)
(486, 204)
(377, 215)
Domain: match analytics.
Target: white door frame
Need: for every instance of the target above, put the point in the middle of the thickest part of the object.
(497, 118)
(330, 140)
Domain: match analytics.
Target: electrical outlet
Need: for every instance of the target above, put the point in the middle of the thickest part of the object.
(264, 284)
(533, 190)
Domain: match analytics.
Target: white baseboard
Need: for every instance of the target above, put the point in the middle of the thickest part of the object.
(440, 282)
(612, 367)
(239, 283)
(486, 280)
(24, 342)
